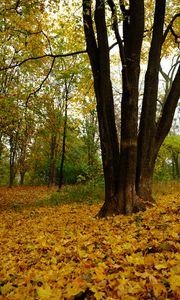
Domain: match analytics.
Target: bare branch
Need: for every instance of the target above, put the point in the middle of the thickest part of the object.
(116, 31)
(166, 77)
(113, 45)
(175, 35)
(165, 121)
(169, 28)
(123, 9)
(48, 40)
(39, 88)
(42, 56)
(17, 4)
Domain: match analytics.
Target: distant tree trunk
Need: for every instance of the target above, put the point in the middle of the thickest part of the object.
(64, 138)
(90, 136)
(22, 177)
(52, 168)
(1, 146)
(22, 159)
(175, 165)
(12, 159)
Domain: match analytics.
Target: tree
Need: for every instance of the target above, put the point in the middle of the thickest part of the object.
(172, 144)
(61, 173)
(128, 167)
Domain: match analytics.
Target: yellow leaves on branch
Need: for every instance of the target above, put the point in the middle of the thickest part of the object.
(63, 252)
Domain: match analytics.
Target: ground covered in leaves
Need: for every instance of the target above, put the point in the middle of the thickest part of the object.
(63, 252)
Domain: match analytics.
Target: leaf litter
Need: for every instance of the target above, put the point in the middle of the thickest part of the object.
(64, 252)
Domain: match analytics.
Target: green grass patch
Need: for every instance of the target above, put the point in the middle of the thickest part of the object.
(165, 188)
(88, 193)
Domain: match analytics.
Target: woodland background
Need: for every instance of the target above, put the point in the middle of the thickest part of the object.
(48, 119)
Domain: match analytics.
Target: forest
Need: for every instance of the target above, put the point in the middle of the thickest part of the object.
(89, 149)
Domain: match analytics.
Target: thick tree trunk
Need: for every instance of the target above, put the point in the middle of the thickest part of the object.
(146, 160)
(133, 29)
(128, 171)
(119, 168)
(144, 187)
(99, 57)
(147, 148)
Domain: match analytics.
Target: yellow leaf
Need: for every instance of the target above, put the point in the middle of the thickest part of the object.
(78, 285)
(158, 288)
(6, 288)
(44, 292)
(174, 281)
(160, 266)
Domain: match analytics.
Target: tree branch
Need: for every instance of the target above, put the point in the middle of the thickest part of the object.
(113, 45)
(42, 56)
(123, 9)
(17, 4)
(39, 88)
(165, 121)
(169, 28)
(116, 31)
(165, 76)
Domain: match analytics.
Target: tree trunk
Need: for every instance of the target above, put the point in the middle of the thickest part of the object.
(147, 148)
(64, 138)
(128, 169)
(146, 160)
(1, 146)
(12, 158)
(119, 167)
(133, 28)
(175, 164)
(22, 176)
(52, 161)
(99, 57)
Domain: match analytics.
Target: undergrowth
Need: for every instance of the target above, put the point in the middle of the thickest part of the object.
(90, 193)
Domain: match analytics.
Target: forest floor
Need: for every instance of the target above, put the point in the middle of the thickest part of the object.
(64, 252)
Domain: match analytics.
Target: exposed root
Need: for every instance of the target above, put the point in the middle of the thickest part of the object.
(142, 205)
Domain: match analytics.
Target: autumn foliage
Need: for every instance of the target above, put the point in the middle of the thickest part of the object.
(64, 252)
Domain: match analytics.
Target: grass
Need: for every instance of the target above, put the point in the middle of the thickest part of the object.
(165, 188)
(90, 193)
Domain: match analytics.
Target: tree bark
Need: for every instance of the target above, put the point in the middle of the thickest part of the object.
(12, 159)
(144, 183)
(52, 167)
(98, 52)
(22, 177)
(64, 139)
(128, 169)
(119, 167)
(147, 148)
(133, 28)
